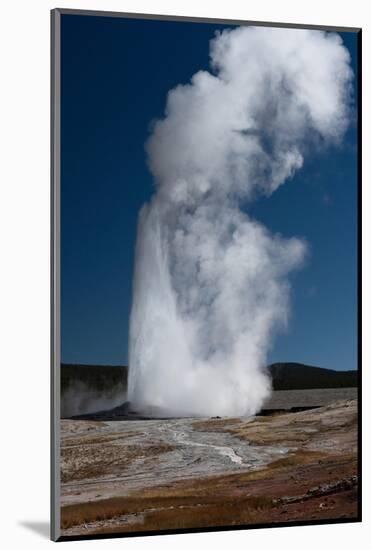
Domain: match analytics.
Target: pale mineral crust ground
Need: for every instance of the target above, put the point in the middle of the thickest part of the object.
(146, 475)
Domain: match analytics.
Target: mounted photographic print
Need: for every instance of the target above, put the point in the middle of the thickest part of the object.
(206, 193)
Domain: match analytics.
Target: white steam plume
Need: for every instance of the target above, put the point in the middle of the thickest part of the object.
(211, 283)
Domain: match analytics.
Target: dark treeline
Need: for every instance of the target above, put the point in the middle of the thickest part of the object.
(285, 376)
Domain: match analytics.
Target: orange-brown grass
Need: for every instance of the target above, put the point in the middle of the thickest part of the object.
(165, 512)
(198, 516)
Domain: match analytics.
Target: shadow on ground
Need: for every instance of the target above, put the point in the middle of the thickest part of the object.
(41, 528)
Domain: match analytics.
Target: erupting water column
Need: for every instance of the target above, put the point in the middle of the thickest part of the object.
(211, 283)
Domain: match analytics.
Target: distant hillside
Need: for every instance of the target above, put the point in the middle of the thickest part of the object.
(89, 388)
(285, 376)
(295, 376)
(98, 377)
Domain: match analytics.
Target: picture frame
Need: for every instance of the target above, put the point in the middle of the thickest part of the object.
(56, 235)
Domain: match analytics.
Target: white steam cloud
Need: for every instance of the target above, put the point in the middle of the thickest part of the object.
(210, 283)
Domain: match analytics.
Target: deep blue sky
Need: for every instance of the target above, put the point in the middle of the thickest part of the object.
(115, 77)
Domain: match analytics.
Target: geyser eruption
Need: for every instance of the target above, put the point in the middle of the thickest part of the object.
(211, 283)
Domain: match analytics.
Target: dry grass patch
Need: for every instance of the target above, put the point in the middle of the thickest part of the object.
(273, 433)
(214, 424)
(298, 458)
(96, 461)
(165, 512)
(103, 439)
(289, 429)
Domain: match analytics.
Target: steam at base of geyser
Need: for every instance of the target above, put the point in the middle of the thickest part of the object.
(211, 283)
